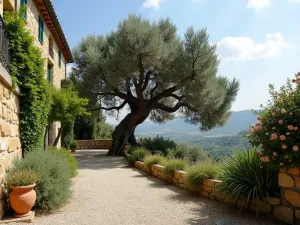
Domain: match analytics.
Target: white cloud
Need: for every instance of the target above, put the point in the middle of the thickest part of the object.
(244, 48)
(152, 4)
(69, 69)
(258, 4)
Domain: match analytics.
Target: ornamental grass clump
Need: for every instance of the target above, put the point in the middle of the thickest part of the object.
(53, 186)
(197, 174)
(138, 154)
(276, 131)
(22, 178)
(242, 176)
(155, 160)
(175, 164)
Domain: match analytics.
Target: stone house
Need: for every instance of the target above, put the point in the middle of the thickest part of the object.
(43, 23)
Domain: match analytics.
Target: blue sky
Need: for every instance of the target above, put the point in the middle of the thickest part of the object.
(258, 40)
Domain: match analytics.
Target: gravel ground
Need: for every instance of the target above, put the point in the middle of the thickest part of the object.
(107, 192)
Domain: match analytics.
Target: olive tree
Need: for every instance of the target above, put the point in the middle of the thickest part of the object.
(148, 68)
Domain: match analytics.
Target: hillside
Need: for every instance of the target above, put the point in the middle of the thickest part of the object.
(239, 121)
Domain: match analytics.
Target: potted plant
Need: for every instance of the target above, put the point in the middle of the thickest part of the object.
(73, 146)
(23, 196)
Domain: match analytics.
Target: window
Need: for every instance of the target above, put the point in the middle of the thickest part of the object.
(24, 2)
(41, 30)
(59, 59)
(49, 71)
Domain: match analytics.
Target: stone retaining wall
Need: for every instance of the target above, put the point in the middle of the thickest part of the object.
(94, 144)
(286, 209)
(10, 145)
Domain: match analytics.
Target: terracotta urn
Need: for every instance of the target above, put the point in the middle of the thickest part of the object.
(22, 199)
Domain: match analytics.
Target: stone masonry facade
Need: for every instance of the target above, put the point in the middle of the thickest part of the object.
(285, 209)
(10, 145)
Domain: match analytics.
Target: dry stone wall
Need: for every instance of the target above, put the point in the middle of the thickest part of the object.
(285, 209)
(94, 144)
(10, 145)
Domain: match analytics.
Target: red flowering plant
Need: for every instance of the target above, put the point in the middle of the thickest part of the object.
(276, 131)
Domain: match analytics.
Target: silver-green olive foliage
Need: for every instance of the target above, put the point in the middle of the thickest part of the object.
(148, 67)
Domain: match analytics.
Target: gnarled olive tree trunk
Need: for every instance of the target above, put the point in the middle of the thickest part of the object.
(124, 132)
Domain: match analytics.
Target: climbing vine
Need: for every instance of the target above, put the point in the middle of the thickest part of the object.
(28, 71)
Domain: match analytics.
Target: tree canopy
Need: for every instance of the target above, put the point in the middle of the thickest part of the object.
(157, 74)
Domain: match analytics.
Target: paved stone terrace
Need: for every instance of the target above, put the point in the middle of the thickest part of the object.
(107, 192)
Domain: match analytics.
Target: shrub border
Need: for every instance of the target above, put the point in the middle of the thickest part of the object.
(208, 189)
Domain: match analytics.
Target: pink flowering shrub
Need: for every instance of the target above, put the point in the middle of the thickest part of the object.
(276, 131)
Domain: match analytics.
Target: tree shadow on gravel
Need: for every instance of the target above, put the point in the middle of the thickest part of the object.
(207, 211)
(97, 160)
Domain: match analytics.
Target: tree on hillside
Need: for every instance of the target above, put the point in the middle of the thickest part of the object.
(151, 70)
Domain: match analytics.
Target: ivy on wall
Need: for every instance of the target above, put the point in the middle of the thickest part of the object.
(28, 71)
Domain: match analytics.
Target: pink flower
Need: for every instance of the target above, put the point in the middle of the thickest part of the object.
(294, 81)
(296, 128)
(290, 127)
(295, 148)
(257, 124)
(282, 137)
(284, 147)
(258, 117)
(265, 159)
(258, 128)
(288, 133)
(281, 164)
(280, 121)
(283, 111)
(275, 153)
(274, 136)
(298, 74)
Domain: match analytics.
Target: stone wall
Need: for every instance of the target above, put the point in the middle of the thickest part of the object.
(94, 144)
(10, 145)
(289, 211)
(286, 209)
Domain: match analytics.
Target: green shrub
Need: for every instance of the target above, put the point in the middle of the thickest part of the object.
(179, 152)
(73, 145)
(196, 154)
(175, 164)
(242, 175)
(198, 173)
(191, 153)
(130, 150)
(53, 187)
(155, 159)
(69, 157)
(138, 154)
(22, 178)
(158, 144)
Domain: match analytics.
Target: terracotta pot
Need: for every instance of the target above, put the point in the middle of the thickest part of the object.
(22, 199)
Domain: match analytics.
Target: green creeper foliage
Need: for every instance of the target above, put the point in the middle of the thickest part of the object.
(27, 70)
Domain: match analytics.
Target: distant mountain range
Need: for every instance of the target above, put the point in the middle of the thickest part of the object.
(237, 123)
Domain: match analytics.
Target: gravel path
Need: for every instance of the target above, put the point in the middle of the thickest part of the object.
(107, 192)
